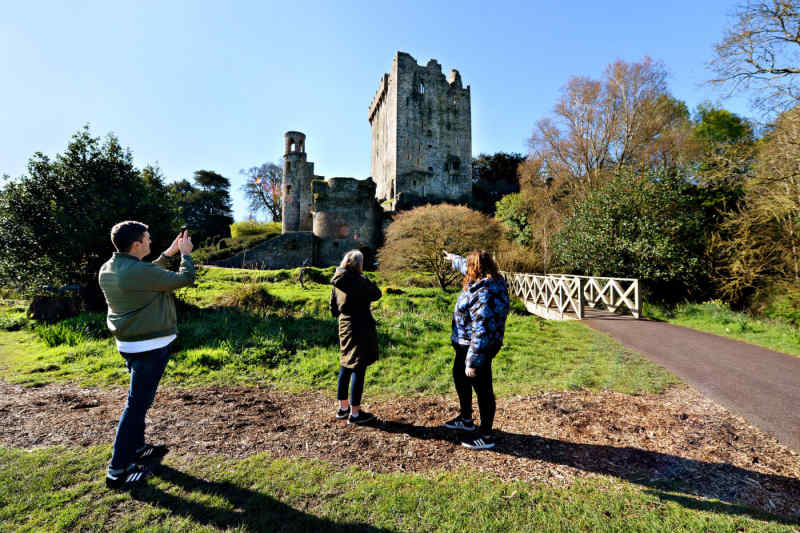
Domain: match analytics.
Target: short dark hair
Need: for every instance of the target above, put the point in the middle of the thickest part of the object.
(124, 234)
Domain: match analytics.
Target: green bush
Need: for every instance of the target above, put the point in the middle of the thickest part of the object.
(514, 211)
(13, 323)
(649, 227)
(783, 304)
(253, 227)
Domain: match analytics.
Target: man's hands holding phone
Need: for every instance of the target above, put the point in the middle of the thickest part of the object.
(182, 244)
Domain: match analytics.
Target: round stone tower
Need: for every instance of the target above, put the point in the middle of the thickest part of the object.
(296, 186)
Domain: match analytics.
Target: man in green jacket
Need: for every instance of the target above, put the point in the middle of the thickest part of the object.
(142, 319)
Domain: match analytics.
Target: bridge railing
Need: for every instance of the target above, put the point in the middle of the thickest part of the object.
(557, 294)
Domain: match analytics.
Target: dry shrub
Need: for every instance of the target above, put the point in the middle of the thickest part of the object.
(416, 238)
(513, 257)
(251, 296)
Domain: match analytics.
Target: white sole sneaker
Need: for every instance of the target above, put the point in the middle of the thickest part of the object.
(478, 444)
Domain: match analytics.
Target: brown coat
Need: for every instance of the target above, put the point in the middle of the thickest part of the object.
(351, 296)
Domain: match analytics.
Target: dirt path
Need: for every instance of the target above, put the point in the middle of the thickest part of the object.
(677, 439)
(760, 384)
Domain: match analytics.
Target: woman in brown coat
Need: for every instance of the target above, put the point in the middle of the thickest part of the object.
(351, 296)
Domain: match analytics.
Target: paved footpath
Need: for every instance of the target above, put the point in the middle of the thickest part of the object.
(760, 384)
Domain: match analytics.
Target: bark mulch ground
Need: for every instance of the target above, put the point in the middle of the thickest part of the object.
(675, 441)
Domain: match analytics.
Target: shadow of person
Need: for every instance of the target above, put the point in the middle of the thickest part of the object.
(658, 471)
(248, 509)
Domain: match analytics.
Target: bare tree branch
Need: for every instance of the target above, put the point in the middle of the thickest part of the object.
(760, 54)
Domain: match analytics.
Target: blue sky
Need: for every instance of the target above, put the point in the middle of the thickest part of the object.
(214, 85)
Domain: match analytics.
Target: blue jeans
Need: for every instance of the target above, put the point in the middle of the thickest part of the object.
(146, 369)
(356, 384)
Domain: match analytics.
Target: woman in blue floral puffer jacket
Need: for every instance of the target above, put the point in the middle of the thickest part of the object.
(479, 323)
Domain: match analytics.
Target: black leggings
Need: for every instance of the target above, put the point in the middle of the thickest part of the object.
(356, 384)
(482, 383)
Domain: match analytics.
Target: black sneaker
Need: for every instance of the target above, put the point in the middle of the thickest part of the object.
(362, 418)
(133, 476)
(151, 453)
(460, 423)
(483, 442)
(341, 414)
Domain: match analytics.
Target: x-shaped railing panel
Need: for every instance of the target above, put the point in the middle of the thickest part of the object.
(569, 294)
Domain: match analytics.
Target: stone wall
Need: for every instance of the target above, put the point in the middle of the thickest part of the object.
(346, 217)
(288, 250)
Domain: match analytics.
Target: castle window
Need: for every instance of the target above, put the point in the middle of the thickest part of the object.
(421, 88)
(453, 164)
(430, 169)
(288, 189)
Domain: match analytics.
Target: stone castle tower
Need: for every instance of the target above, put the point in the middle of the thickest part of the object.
(296, 187)
(421, 152)
(421, 135)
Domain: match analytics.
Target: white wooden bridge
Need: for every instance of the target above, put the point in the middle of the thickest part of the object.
(567, 297)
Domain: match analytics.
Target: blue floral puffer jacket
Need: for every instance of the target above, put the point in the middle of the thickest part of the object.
(479, 318)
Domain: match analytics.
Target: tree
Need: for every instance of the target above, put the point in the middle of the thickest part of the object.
(722, 145)
(514, 211)
(494, 176)
(206, 207)
(416, 238)
(55, 221)
(759, 54)
(603, 126)
(263, 189)
(651, 227)
(759, 243)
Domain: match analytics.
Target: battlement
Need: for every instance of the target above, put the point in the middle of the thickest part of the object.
(339, 191)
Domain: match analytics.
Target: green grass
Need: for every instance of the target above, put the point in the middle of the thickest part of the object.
(715, 317)
(291, 342)
(59, 489)
(281, 334)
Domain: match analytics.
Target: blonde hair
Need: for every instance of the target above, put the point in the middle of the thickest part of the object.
(353, 260)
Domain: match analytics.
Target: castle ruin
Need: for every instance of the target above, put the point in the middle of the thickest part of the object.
(421, 153)
(421, 135)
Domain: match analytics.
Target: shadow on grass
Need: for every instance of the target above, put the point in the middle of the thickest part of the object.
(658, 471)
(249, 509)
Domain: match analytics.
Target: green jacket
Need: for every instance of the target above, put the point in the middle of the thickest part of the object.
(351, 296)
(139, 295)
